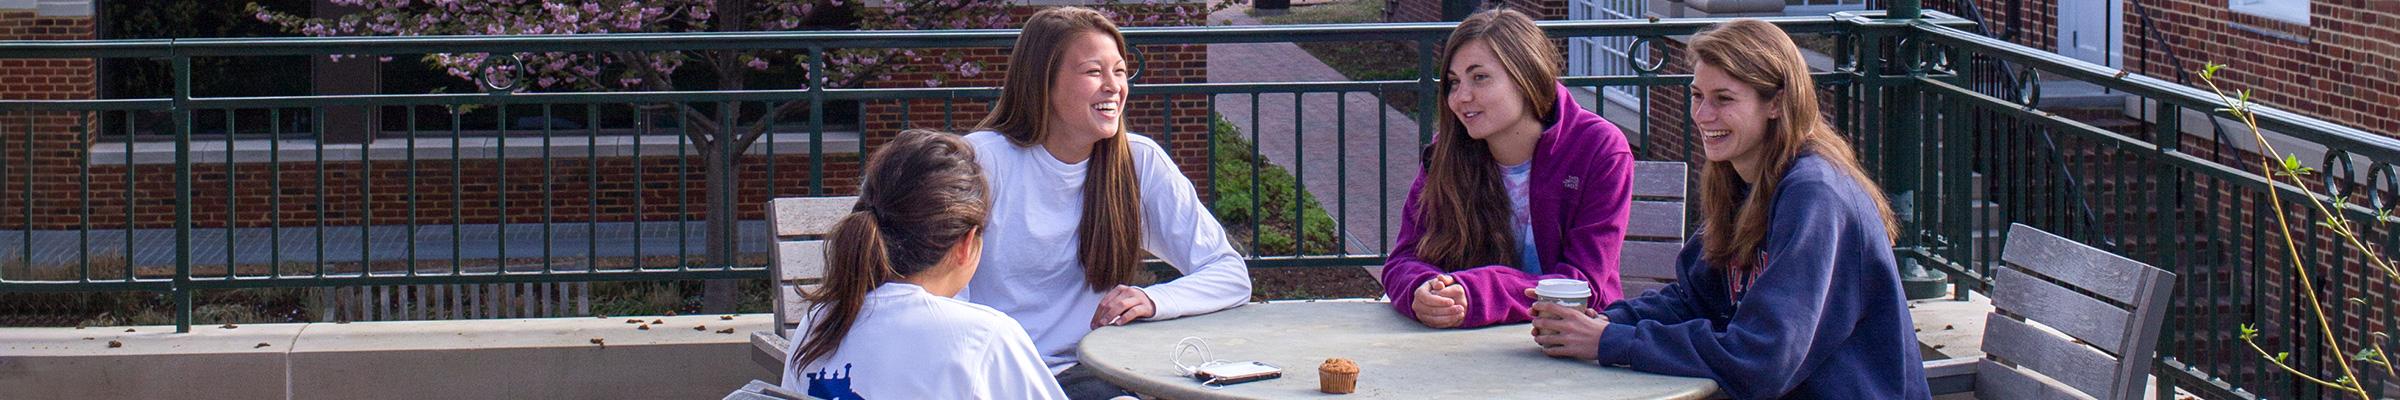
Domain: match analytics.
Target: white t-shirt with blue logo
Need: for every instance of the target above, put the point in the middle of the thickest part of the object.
(911, 344)
(1515, 178)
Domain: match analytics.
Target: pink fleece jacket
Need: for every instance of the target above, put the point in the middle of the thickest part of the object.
(1581, 193)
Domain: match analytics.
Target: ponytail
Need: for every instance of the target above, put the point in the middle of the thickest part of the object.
(856, 263)
(922, 195)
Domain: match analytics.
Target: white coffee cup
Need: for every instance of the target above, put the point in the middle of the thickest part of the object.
(1566, 292)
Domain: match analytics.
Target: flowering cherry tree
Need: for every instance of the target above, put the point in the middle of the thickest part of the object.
(657, 70)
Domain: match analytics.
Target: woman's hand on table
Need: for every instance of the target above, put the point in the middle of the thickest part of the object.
(1441, 302)
(1567, 332)
(1123, 305)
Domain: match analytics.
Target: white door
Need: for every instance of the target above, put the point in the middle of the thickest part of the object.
(2091, 30)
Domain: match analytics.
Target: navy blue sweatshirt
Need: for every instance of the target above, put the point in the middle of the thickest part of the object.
(1825, 318)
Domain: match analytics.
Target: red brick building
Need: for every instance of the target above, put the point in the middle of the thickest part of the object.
(2337, 60)
(65, 171)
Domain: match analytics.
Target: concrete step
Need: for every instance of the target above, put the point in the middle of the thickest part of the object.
(2079, 94)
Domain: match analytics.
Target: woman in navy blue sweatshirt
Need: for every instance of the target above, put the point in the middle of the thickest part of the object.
(1790, 290)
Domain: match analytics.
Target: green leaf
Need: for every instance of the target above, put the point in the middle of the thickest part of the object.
(2291, 163)
(2209, 71)
(2343, 381)
(2249, 332)
(2283, 356)
(2368, 355)
(2358, 301)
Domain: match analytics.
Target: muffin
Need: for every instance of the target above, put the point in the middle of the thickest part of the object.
(1337, 376)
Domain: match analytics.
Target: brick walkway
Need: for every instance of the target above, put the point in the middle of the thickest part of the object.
(1333, 129)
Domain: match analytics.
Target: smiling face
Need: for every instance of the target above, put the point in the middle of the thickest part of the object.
(1483, 96)
(1087, 92)
(1732, 117)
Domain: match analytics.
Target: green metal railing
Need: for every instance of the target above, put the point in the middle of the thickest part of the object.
(1963, 157)
(2182, 196)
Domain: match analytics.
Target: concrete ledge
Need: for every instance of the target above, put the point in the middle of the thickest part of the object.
(439, 149)
(478, 359)
(153, 362)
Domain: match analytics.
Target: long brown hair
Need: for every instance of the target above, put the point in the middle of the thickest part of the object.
(1762, 56)
(922, 194)
(1110, 233)
(1465, 211)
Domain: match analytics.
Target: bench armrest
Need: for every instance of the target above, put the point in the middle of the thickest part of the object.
(1954, 375)
(771, 350)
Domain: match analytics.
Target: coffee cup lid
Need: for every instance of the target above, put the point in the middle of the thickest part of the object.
(1563, 288)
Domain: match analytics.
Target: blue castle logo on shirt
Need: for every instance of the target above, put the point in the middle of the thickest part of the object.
(825, 385)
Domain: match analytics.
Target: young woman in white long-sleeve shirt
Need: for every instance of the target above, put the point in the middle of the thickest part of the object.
(1076, 200)
(885, 325)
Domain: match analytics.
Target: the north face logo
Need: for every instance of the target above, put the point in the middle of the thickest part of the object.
(1574, 183)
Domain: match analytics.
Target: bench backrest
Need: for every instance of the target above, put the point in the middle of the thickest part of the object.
(1655, 232)
(800, 225)
(2098, 319)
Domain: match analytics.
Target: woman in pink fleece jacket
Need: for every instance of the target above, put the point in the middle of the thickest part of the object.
(1521, 184)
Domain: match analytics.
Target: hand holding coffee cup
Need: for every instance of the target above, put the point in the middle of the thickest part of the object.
(1568, 293)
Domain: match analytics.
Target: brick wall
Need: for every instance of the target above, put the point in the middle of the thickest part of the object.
(2348, 72)
(1667, 133)
(57, 175)
(39, 147)
(2344, 66)
(1180, 132)
(2036, 20)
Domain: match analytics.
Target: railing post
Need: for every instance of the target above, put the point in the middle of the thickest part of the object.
(1904, 9)
(1427, 89)
(1903, 149)
(181, 290)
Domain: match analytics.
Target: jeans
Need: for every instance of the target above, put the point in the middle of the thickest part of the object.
(1081, 384)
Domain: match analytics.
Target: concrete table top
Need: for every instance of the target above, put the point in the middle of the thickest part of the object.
(1397, 358)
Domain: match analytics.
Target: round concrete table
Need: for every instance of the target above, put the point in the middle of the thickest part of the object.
(1397, 358)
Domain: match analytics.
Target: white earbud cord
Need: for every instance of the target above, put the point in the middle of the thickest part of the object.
(1190, 346)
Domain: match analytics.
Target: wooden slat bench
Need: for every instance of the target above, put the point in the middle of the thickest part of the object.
(800, 225)
(1655, 232)
(2068, 321)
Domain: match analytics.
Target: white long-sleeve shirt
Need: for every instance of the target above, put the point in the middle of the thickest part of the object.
(912, 344)
(1029, 269)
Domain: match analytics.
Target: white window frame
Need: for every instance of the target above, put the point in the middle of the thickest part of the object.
(2293, 11)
